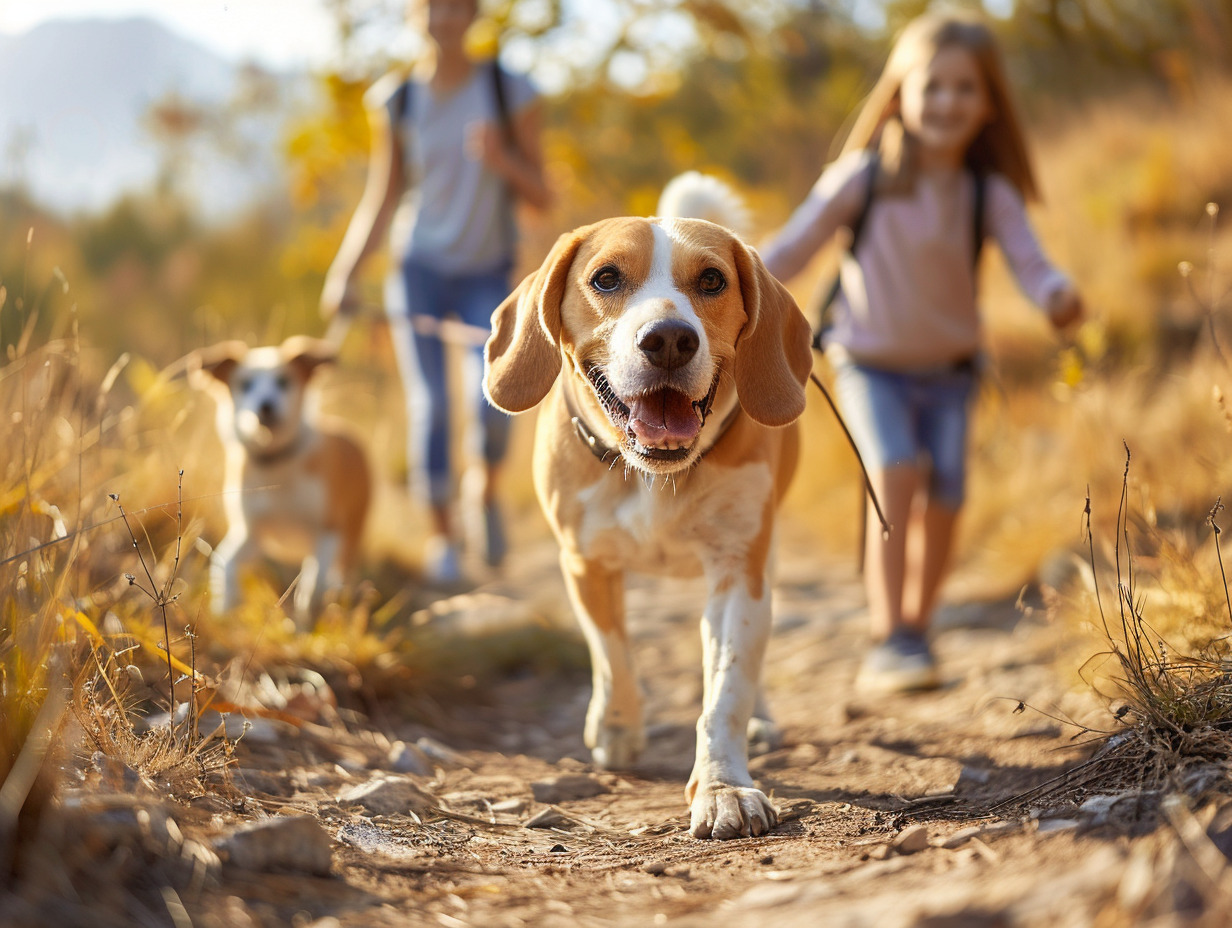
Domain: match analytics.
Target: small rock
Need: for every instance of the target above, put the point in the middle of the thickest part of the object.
(880, 852)
(1099, 807)
(409, 758)
(558, 849)
(441, 753)
(910, 840)
(976, 775)
(961, 837)
(474, 800)
(388, 795)
(253, 780)
(1050, 825)
(546, 818)
(510, 806)
(771, 896)
(566, 787)
(116, 774)
(285, 842)
(654, 868)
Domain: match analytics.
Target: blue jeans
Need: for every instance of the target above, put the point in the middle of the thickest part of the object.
(417, 298)
(911, 419)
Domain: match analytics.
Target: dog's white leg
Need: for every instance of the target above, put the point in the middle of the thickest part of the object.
(315, 573)
(614, 727)
(723, 800)
(235, 550)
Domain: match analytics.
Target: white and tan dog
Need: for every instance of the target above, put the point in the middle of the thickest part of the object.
(294, 490)
(672, 367)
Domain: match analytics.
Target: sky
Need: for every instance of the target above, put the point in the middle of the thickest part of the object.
(276, 33)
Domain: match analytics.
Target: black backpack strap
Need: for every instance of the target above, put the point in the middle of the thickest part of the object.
(857, 228)
(502, 101)
(401, 104)
(981, 184)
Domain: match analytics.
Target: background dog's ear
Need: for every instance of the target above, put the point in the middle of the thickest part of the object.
(774, 354)
(217, 361)
(305, 354)
(522, 355)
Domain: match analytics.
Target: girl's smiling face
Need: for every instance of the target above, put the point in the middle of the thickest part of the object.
(944, 103)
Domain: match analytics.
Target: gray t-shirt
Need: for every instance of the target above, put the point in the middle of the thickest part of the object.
(456, 214)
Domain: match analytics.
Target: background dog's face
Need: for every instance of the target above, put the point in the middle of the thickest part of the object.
(261, 400)
(657, 323)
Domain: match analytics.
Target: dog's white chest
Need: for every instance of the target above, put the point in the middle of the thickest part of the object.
(283, 505)
(679, 531)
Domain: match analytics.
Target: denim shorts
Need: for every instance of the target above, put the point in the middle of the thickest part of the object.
(430, 297)
(911, 419)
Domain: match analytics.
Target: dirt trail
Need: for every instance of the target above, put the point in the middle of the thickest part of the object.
(876, 795)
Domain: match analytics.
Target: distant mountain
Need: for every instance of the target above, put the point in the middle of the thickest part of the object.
(74, 98)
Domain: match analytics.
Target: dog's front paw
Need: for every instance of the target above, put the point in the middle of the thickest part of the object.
(617, 747)
(724, 812)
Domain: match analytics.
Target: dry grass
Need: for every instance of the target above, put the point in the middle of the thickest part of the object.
(1171, 702)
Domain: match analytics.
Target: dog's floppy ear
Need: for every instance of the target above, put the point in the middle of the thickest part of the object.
(522, 355)
(217, 361)
(774, 351)
(305, 354)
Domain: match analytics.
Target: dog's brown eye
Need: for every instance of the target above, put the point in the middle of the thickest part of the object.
(711, 280)
(606, 279)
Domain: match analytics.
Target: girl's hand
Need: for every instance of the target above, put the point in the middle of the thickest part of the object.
(1064, 308)
(486, 143)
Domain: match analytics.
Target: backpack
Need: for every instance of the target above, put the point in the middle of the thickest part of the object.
(402, 100)
(826, 303)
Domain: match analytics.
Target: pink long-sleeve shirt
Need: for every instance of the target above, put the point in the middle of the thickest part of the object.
(908, 299)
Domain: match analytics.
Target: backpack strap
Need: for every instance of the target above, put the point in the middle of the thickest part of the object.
(401, 101)
(980, 194)
(979, 197)
(502, 101)
(857, 227)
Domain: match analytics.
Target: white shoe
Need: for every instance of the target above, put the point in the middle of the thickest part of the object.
(442, 560)
(903, 663)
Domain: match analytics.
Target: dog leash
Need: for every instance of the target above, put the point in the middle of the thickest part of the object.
(868, 483)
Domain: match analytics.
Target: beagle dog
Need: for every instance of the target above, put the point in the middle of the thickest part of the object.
(671, 366)
(294, 489)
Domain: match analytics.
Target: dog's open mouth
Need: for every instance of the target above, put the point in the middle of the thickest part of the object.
(661, 424)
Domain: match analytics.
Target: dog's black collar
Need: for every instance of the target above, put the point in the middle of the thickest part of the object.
(600, 449)
(609, 455)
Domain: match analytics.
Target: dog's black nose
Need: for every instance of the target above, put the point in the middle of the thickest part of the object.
(267, 413)
(668, 343)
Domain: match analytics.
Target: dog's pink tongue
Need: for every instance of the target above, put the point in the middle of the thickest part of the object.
(663, 417)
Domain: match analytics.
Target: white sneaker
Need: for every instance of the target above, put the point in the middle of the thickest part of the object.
(442, 560)
(903, 663)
